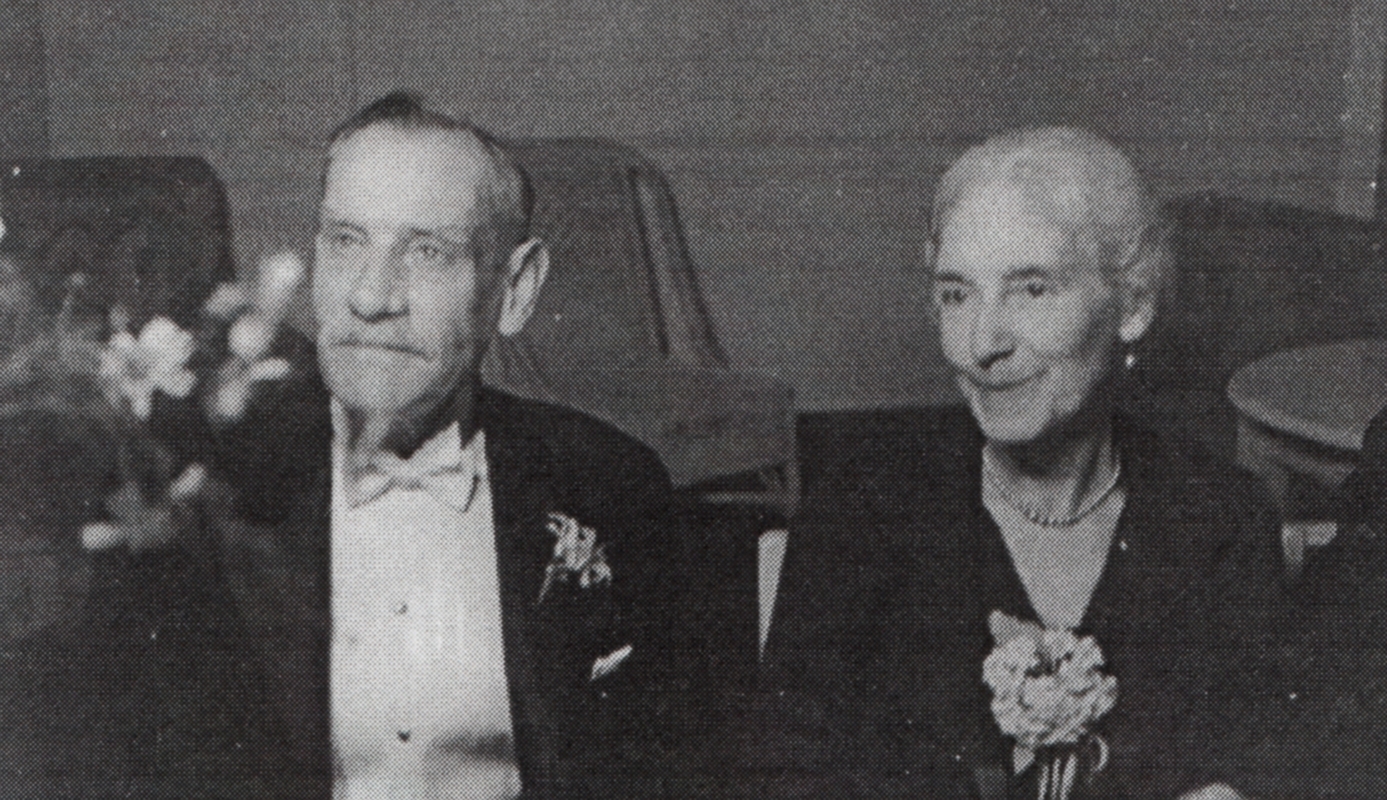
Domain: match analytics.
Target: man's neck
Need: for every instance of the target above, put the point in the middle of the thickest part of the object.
(366, 432)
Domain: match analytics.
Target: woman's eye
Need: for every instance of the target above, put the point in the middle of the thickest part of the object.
(1036, 289)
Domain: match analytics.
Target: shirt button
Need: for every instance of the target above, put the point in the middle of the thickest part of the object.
(404, 735)
(400, 608)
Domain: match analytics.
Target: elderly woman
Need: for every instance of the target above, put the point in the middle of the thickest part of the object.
(1120, 591)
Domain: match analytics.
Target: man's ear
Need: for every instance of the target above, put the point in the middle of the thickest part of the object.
(526, 269)
(1138, 311)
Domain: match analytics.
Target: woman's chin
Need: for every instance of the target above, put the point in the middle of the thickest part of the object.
(1010, 420)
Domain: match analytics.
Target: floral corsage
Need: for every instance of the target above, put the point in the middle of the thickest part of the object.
(577, 556)
(1048, 692)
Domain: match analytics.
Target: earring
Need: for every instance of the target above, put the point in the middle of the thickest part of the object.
(1129, 360)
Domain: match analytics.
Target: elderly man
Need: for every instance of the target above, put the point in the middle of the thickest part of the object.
(476, 587)
(498, 567)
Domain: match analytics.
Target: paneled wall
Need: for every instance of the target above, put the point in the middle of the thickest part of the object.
(802, 138)
(23, 94)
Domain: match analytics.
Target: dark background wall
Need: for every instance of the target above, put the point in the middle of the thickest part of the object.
(802, 139)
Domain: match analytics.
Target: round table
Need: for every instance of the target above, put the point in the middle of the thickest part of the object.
(1302, 414)
(1325, 394)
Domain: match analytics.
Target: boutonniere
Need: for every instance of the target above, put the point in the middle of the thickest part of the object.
(1048, 692)
(577, 556)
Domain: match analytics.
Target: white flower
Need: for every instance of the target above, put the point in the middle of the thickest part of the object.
(1048, 687)
(277, 280)
(235, 381)
(132, 369)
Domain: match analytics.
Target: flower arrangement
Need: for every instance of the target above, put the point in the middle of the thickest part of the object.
(1048, 692)
(98, 368)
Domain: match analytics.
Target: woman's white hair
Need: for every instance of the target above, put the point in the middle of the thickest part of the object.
(1078, 181)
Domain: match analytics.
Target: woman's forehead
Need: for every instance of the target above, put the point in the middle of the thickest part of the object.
(1020, 215)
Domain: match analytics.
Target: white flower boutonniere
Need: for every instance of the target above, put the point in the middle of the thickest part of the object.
(1048, 691)
(577, 556)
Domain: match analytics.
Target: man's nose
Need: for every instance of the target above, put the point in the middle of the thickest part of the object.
(994, 335)
(381, 290)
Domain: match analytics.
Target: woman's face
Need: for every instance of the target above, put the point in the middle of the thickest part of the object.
(1029, 321)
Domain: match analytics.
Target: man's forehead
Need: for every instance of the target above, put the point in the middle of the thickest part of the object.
(417, 178)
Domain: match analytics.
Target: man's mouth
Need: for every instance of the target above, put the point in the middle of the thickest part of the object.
(998, 384)
(384, 346)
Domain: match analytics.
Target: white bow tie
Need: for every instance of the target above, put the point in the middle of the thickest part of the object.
(448, 473)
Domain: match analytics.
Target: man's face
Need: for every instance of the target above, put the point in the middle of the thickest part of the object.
(1028, 321)
(403, 308)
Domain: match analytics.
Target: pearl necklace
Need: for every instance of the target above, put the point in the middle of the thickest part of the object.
(989, 473)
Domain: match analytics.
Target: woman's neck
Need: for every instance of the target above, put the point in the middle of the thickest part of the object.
(1059, 476)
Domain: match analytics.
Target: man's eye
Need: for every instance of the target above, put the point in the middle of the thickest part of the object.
(1036, 288)
(950, 296)
(426, 253)
(341, 241)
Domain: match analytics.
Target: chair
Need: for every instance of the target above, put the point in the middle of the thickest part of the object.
(621, 330)
(151, 233)
(1253, 278)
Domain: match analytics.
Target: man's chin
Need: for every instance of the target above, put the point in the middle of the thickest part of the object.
(371, 393)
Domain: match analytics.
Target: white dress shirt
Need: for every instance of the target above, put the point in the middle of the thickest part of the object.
(420, 707)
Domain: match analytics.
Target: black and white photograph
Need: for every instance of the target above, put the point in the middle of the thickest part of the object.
(650, 400)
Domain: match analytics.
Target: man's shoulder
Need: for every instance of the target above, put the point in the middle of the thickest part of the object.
(571, 440)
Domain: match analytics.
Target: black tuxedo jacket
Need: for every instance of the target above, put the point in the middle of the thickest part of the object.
(210, 676)
(873, 672)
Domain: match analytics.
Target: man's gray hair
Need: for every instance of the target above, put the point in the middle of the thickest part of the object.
(1078, 181)
(504, 193)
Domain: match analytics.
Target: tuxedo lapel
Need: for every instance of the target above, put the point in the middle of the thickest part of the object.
(523, 493)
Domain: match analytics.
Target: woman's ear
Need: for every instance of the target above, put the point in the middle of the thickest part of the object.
(1138, 312)
(526, 269)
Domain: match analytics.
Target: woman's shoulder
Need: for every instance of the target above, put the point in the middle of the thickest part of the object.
(1202, 511)
(1186, 476)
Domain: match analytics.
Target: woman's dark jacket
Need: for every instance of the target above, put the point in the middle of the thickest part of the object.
(873, 675)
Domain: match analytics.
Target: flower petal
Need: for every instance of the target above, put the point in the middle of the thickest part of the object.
(227, 300)
(188, 483)
(278, 279)
(165, 343)
(102, 536)
(178, 383)
(141, 397)
(250, 336)
(229, 403)
(269, 369)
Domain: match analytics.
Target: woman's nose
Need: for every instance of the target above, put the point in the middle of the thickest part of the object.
(994, 337)
(381, 290)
